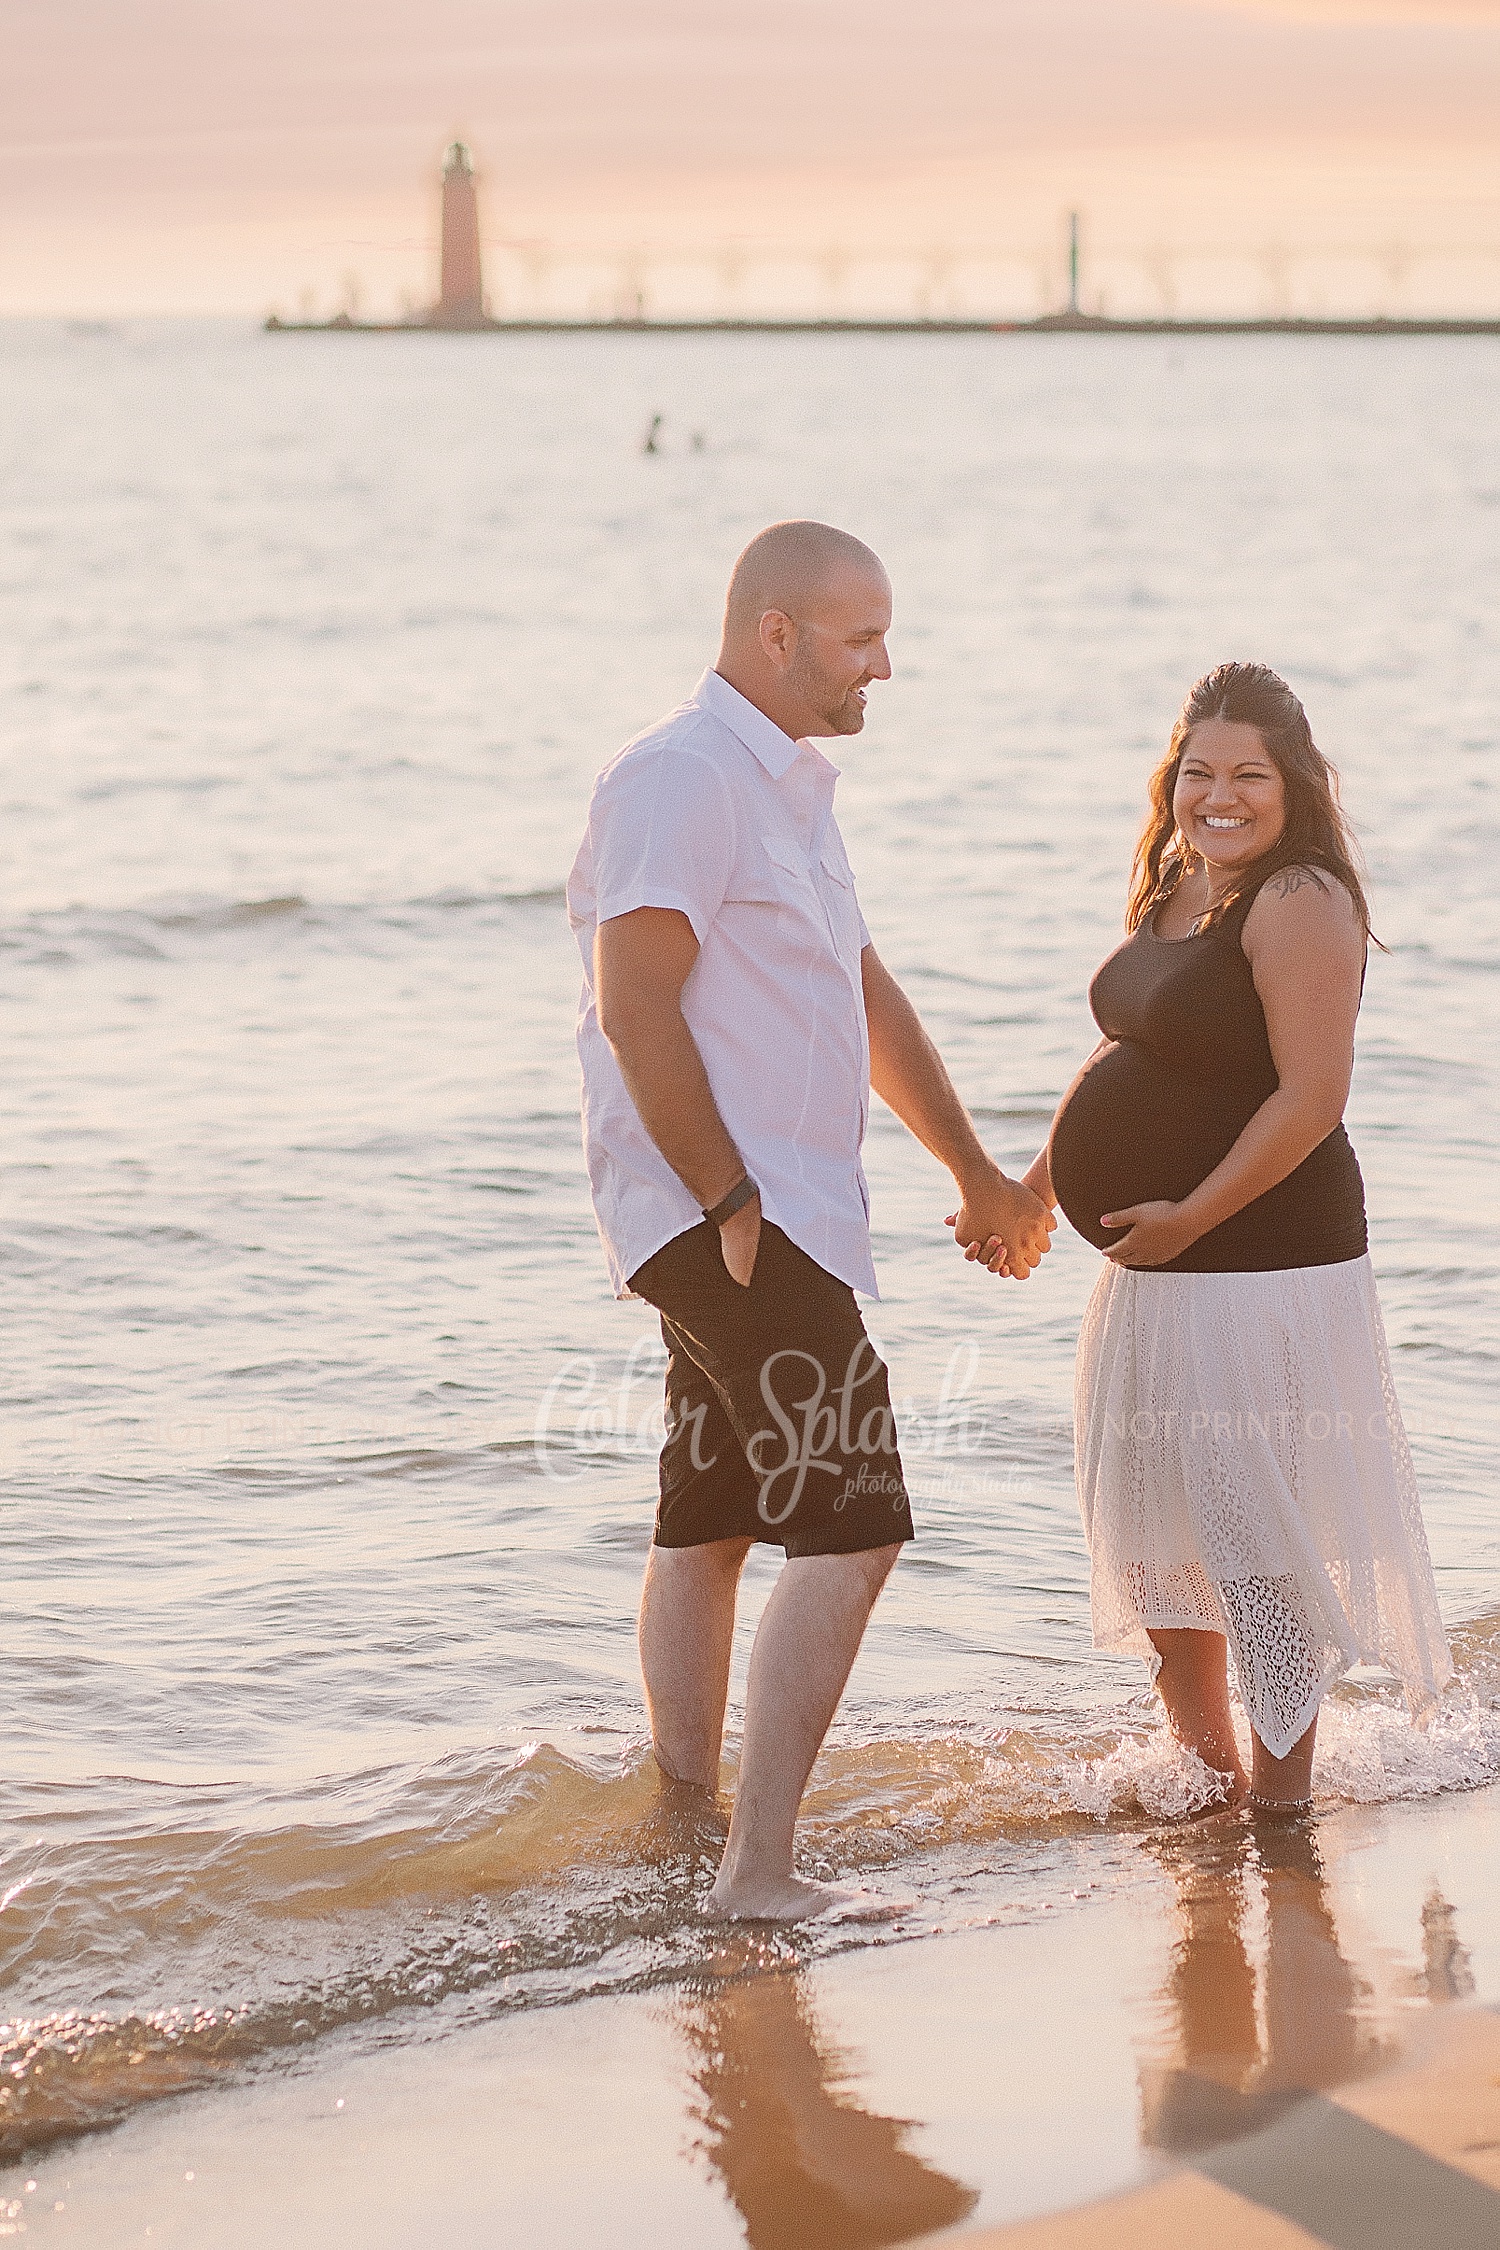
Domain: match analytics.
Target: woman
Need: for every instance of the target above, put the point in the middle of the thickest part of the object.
(1245, 1480)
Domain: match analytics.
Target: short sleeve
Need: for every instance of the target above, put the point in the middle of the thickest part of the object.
(662, 831)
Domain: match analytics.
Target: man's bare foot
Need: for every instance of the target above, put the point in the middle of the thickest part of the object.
(683, 1821)
(788, 1898)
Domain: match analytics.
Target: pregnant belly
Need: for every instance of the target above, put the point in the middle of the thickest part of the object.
(1131, 1130)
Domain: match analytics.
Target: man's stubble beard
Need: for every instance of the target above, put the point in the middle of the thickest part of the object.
(843, 716)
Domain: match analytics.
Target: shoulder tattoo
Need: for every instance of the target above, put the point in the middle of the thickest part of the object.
(1293, 879)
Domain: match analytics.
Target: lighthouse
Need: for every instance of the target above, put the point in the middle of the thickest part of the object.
(461, 295)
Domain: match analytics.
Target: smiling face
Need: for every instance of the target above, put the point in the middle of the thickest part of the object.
(838, 648)
(1230, 800)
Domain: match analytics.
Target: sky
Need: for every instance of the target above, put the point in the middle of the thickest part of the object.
(239, 155)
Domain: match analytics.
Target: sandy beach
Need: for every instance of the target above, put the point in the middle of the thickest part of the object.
(498, 996)
(1410, 2158)
(330, 1460)
(1229, 1996)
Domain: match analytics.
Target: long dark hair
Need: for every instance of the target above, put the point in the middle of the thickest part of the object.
(1316, 833)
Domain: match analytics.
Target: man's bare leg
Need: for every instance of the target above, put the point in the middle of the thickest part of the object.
(686, 1635)
(808, 1639)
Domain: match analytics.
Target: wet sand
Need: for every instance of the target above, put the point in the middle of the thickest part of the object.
(1171, 2035)
(1406, 2160)
(331, 1461)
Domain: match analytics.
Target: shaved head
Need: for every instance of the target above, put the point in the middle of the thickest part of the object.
(791, 567)
(804, 627)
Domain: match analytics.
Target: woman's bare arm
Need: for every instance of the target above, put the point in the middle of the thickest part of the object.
(1306, 951)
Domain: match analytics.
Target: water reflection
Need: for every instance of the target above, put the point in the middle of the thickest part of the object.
(1447, 1973)
(1248, 2041)
(782, 2125)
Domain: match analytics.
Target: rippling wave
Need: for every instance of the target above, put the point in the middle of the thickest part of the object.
(322, 1696)
(540, 1878)
(159, 932)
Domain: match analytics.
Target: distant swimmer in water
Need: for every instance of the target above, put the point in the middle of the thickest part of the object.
(735, 1015)
(1244, 1476)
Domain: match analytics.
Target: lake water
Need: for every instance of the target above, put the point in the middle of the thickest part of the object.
(328, 1458)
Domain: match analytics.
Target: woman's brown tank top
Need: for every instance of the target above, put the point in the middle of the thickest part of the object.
(1186, 1065)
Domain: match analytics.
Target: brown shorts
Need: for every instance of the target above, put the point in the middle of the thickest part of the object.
(779, 1422)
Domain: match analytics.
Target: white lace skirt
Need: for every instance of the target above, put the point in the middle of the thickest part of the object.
(1243, 1468)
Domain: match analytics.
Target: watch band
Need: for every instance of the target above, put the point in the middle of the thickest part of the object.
(734, 1201)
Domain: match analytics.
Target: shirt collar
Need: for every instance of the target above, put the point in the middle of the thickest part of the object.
(761, 736)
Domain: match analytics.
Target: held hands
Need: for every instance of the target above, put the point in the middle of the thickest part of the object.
(1002, 1225)
(1157, 1234)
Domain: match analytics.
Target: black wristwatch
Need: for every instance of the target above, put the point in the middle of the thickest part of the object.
(734, 1201)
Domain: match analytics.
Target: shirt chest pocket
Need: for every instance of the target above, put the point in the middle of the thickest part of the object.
(837, 887)
(779, 876)
(822, 896)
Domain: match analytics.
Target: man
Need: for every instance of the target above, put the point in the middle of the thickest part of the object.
(735, 1014)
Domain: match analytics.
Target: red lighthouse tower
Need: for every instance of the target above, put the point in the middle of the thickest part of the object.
(461, 295)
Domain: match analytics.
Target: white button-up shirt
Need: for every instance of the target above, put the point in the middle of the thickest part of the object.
(716, 812)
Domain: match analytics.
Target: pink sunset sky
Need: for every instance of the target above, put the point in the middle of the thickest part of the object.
(232, 155)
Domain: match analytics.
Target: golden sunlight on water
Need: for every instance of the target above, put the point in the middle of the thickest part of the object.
(1172, 2001)
(328, 1459)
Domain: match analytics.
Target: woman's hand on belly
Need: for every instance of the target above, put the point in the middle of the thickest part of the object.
(1157, 1233)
